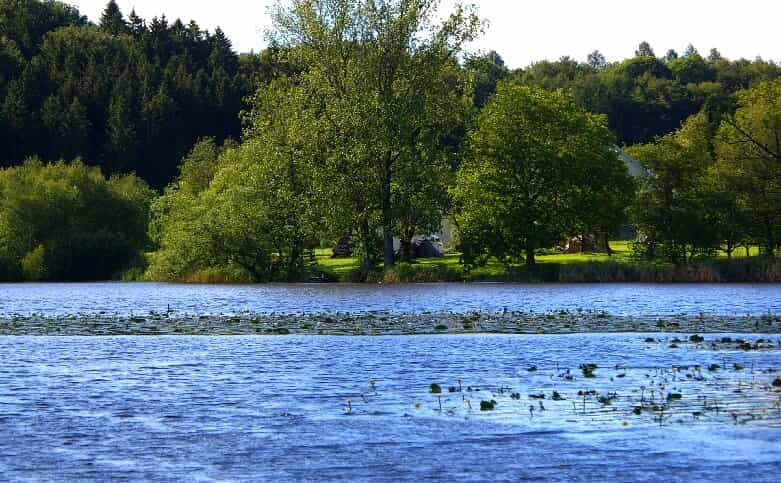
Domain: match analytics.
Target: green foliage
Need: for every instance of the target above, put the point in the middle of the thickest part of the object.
(487, 405)
(385, 85)
(126, 96)
(254, 207)
(417, 273)
(747, 145)
(671, 207)
(708, 193)
(645, 97)
(68, 222)
(536, 162)
(34, 264)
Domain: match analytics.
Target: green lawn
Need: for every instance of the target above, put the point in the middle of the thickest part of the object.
(493, 269)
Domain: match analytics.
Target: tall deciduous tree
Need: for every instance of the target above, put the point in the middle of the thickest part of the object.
(383, 73)
(644, 50)
(671, 210)
(749, 148)
(535, 158)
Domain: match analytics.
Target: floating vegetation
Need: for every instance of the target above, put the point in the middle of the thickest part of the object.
(588, 370)
(380, 323)
(607, 399)
(741, 395)
(487, 405)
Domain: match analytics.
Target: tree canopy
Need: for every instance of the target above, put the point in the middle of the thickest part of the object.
(535, 157)
(66, 221)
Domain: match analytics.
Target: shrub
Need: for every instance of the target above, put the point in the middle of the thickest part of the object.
(66, 221)
(34, 264)
(487, 405)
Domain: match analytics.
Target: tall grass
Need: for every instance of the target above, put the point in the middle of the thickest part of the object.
(755, 269)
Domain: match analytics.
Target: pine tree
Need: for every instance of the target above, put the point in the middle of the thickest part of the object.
(136, 24)
(112, 20)
(120, 127)
(222, 53)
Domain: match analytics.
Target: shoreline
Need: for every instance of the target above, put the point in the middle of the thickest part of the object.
(383, 323)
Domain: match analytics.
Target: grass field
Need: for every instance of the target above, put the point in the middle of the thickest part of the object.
(620, 266)
(342, 266)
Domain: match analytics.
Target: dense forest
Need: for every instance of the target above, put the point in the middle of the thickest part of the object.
(367, 118)
(126, 94)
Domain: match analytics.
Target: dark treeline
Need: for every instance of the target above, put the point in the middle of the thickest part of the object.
(127, 95)
(383, 129)
(648, 96)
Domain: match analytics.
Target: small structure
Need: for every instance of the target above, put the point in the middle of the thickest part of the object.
(343, 248)
(427, 248)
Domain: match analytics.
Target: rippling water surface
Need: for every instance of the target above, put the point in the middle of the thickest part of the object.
(618, 299)
(273, 408)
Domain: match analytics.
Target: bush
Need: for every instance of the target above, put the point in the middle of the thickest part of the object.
(66, 221)
(34, 264)
(416, 273)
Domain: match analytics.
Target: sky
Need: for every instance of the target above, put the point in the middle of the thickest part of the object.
(524, 31)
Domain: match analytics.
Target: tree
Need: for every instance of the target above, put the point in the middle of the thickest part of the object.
(485, 72)
(671, 55)
(534, 156)
(671, 211)
(714, 55)
(644, 50)
(112, 21)
(66, 221)
(749, 150)
(597, 60)
(255, 207)
(383, 74)
(26, 22)
(136, 24)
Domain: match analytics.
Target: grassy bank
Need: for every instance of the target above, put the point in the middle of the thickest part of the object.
(566, 268)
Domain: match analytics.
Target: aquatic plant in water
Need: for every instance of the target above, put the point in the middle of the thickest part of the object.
(487, 405)
(588, 370)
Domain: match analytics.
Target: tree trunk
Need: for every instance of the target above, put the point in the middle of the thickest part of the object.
(388, 256)
(770, 244)
(365, 242)
(608, 250)
(530, 262)
(406, 248)
(296, 256)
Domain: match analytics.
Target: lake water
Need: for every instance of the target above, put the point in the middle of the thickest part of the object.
(274, 408)
(617, 299)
